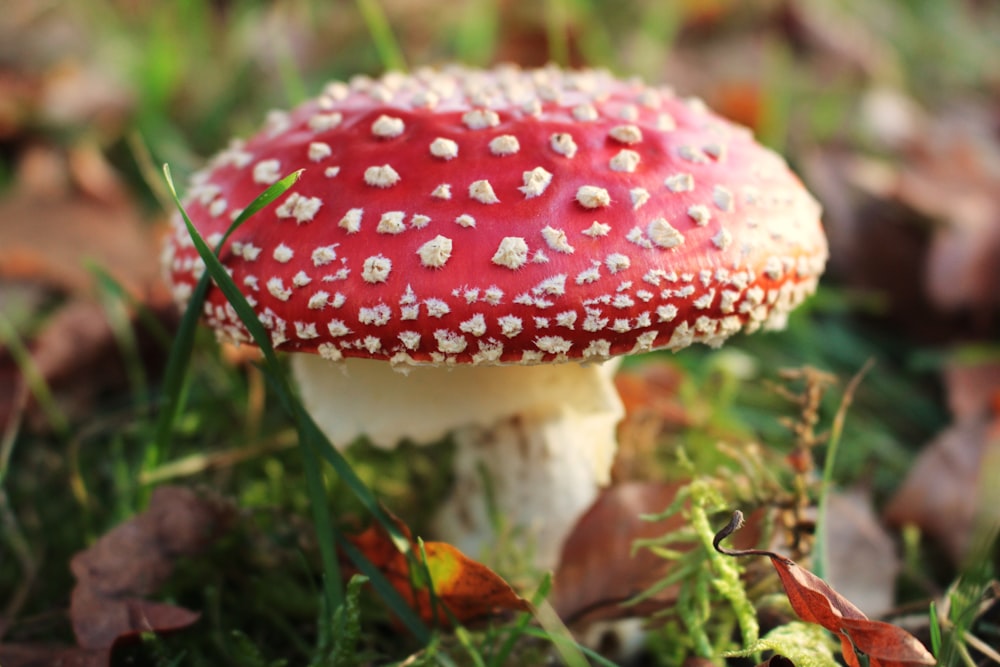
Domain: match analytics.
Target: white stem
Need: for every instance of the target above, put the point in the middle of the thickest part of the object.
(545, 435)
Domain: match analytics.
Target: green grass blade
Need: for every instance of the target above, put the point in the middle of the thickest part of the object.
(396, 604)
(214, 270)
(354, 483)
(571, 651)
(183, 344)
(821, 557)
(381, 32)
(935, 629)
(108, 283)
(519, 627)
(33, 378)
(115, 306)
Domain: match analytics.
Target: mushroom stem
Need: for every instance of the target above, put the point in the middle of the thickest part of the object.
(531, 475)
(543, 435)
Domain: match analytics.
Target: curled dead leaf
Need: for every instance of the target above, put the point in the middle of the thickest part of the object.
(813, 600)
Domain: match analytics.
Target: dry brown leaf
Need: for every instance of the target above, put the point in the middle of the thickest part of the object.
(598, 570)
(886, 645)
(51, 232)
(76, 353)
(66, 213)
(953, 176)
(652, 407)
(18, 99)
(854, 535)
(101, 621)
(943, 491)
(134, 559)
(972, 389)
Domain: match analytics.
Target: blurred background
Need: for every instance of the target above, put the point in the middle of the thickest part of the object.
(889, 110)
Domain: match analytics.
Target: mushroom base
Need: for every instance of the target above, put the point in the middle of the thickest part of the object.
(543, 435)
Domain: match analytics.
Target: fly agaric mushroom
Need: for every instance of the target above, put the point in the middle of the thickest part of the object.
(501, 234)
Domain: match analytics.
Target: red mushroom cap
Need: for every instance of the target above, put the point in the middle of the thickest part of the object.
(504, 216)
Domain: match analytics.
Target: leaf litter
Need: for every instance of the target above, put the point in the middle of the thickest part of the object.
(116, 575)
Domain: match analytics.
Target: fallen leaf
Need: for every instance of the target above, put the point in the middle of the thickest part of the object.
(649, 394)
(813, 600)
(740, 101)
(76, 353)
(972, 388)
(19, 94)
(599, 570)
(955, 178)
(943, 491)
(854, 535)
(465, 590)
(51, 231)
(101, 621)
(134, 559)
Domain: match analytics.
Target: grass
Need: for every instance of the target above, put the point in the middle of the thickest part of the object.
(274, 589)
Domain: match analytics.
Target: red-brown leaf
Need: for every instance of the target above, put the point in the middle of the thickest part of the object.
(815, 601)
(465, 589)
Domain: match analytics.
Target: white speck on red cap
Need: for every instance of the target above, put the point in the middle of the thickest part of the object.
(535, 182)
(592, 196)
(388, 127)
(562, 143)
(446, 149)
(351, 222)
(624, 160)
(682, 182)
(505, 144)
(318, 151)
(511, 253)
(383, 176)
(483, 192)
(442, 191)
(465, 220)
(391, 222)
(434, 253)
(626, 134)
(556, 239)
(480, 119)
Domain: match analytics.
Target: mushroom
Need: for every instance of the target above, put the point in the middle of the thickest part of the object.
(501, 237)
